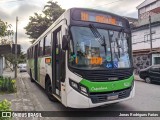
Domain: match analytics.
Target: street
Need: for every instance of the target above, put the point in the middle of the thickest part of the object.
(33, 98)
(99, 47)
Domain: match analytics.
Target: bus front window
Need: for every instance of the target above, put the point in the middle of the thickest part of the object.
(93, 48)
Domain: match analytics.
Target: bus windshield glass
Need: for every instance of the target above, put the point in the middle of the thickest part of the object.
(92, 48)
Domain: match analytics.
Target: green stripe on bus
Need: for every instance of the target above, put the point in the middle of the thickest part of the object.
(107, 86)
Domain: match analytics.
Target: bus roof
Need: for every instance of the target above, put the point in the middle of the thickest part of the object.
(67, 12)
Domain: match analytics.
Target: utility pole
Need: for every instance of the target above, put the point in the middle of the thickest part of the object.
(16, 48)
(150, 32)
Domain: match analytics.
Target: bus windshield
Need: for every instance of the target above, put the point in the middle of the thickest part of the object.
(98, 48)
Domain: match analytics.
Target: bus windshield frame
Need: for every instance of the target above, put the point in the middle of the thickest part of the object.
(98, 62)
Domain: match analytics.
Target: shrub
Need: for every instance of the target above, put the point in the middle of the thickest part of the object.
(5, 106)
(7, 85)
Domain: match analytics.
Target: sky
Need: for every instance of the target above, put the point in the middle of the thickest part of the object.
(9, 9)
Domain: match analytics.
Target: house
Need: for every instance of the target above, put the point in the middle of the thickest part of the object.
(142, 35)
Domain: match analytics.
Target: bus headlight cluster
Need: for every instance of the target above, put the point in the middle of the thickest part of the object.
(83, 89)
(78, 87)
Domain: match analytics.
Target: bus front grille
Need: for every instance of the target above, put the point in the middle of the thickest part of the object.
(97, 76)
(102, 76)
(105, 75)
(103, 97)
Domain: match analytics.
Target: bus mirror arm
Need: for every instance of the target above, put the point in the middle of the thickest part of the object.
(65, 41)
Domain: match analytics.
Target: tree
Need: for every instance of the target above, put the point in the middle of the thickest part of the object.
(36, 26)
(40, 22)
(52, 11)
(5, 33)
(5, 29)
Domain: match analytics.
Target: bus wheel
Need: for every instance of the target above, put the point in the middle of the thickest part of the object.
(48, 89)
(31, 76)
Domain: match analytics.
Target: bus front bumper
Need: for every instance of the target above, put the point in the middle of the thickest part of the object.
(78, 100)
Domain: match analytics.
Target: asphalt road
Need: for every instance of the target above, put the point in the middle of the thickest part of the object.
(147, 98)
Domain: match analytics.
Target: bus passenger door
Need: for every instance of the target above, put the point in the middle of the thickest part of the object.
(56, 66)
(36, 62)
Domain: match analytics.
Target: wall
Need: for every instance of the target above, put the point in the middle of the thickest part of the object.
(1, 65)
(143, 61)
(150, 7)
(143, 35)
(140, 62)
(4, 63)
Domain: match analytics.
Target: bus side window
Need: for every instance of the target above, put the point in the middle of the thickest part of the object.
(41, 44)
(32, 52)
(47, 45)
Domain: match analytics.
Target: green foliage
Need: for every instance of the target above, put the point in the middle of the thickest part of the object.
(4, 29)
(40, 22)
(5, 106)
(21, 58)
(7, 85)
(36, 26)
(52, 11)
(5, 42)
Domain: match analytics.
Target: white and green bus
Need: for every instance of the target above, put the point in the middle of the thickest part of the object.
(84, 59)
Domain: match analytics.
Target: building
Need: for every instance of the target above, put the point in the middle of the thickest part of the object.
(141, 34)
(132, 21)
(4, 49)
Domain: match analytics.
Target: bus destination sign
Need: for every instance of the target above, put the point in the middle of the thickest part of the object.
(100, 18)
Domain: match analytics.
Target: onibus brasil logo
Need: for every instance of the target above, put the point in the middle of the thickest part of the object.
(20, 114)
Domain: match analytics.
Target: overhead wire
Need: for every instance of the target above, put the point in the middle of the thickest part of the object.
(108, 3)
(11, 0)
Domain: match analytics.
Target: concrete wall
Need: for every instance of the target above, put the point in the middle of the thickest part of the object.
(1, 65)
(143, 61)
(4, 63)
(140, 62)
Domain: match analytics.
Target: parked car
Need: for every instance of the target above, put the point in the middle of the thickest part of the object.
(150, 74)
(23, 68)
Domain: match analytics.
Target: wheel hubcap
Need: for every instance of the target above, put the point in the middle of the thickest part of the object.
(148, 80)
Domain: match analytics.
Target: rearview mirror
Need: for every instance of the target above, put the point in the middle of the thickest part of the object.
(65, 41)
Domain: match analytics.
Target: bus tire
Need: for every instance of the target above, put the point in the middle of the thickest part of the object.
(31, 76)
(48, 89)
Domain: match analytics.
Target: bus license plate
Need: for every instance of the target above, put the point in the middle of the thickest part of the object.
(113, 97)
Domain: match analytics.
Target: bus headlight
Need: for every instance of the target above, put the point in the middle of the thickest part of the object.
(78, 87)
(74, 84)
(83, 89)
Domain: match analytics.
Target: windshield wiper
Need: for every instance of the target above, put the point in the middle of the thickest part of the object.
(119, 46)
(101, 39)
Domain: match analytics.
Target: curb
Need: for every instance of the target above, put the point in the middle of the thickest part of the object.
(137, 78)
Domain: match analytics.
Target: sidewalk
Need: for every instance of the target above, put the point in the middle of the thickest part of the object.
(136, 77)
